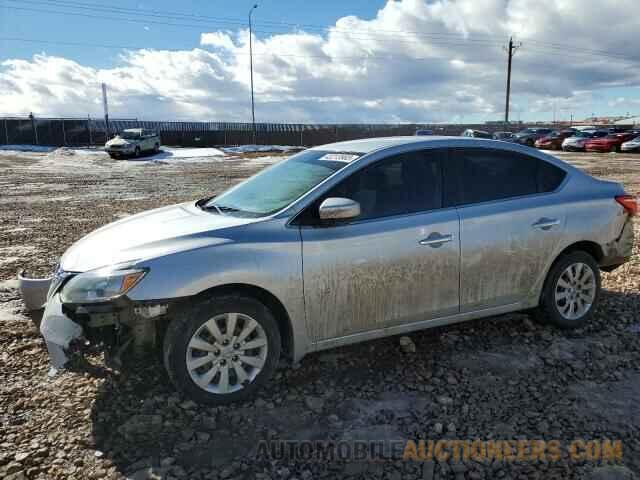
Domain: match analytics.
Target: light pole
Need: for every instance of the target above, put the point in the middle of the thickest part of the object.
(253, 111)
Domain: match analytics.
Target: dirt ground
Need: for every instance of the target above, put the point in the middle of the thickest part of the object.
(497, 378)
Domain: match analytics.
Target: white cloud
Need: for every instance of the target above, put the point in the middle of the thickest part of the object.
(419, 61)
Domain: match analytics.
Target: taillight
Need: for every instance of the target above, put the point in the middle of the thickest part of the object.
(629, 203)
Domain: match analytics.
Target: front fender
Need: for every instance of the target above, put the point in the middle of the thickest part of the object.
(268, 255)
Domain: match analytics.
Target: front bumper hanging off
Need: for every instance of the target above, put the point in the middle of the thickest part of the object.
(58, 331)
(115, 324)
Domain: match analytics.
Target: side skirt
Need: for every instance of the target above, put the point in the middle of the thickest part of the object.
(421, 325)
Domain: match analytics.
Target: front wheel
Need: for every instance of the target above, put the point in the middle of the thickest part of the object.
(571, 291)
(222, 349)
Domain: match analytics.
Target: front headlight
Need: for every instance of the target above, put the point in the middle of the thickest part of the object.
(100, 285)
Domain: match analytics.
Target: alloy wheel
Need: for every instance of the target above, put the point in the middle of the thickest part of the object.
(226, 353)
(575, 291)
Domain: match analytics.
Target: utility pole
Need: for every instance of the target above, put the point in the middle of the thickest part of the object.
(106, 109)
(511, 49)
(253, 111)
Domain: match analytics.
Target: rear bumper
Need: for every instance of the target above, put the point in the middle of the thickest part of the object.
(598, 148)
(635, 148)
(619, 250)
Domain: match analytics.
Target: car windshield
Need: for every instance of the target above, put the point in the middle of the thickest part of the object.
(130, 135)
(526, 131)
(582, 135)
(278, 186)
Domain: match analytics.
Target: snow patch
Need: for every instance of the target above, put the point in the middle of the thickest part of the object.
(26, 148)
(261, 148)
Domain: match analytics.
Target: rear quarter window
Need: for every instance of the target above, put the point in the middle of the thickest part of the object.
(549, 177)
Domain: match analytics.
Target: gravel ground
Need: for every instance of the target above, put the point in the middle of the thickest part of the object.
(498, 378)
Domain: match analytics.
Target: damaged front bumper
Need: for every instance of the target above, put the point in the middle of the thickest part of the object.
(115, 324)
(58, 331)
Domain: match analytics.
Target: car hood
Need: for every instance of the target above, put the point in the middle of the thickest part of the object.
(119, 141)
(149, 234)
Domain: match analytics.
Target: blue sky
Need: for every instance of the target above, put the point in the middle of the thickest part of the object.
(31, 24)
(396, 61)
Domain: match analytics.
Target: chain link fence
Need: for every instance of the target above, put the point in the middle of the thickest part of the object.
(78, 132)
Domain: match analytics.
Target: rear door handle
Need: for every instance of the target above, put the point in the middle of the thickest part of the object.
(546, 223)
(435, 239)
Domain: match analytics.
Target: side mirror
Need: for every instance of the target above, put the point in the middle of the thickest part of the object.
(336, 208)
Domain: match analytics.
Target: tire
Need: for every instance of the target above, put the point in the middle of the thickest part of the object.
(530, 143)
(558, 311)
(615, 149)
(192, 327)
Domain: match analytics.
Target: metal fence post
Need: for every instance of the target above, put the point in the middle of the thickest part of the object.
(6, 131)
(64, 135)
(89, 130)
(34, 128)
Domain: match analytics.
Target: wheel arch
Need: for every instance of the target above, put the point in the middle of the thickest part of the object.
(592, 248)
(269, 300)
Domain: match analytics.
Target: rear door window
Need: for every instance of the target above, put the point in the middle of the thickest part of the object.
(482, 175)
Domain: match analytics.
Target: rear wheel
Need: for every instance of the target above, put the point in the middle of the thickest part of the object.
(571, 291)
(222, 349)
(615, 149)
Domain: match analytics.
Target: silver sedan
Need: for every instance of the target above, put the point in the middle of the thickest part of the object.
(340, 244)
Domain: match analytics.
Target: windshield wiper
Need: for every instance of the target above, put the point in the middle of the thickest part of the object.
(221, 209)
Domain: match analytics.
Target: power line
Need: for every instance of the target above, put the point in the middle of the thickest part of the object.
(279, 24)
(241, 22)
(437, 41)
(271, 53)
(454, 41)
(156, 22)
(371, 36)
(132, 47)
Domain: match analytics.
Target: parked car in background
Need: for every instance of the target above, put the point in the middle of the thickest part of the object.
(528, 136)
(611, 143)
(554, 140)
(632, 145)
(421, 133)
(469, 132)
(502, 135)
(577, 141)
(365, 239)
(133, 142)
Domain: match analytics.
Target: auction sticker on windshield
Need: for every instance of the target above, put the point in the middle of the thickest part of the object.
(339, 157)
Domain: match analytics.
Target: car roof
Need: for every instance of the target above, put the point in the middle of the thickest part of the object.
(366, 145)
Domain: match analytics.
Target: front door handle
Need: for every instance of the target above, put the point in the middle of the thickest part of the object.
(436, 239)
(546, 223)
